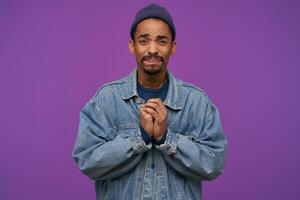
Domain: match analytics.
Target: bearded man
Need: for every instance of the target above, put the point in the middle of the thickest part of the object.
(150, 135)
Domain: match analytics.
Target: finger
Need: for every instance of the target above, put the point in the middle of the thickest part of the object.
(145, 114)
(154, 106)
(152, 112)
(155, 100)
(159, 103)
(144, 111)
(160, 107)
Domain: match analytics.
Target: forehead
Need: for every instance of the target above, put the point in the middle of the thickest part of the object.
(153, 27)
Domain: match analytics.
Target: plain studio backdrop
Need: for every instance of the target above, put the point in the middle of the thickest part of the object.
(55, 54)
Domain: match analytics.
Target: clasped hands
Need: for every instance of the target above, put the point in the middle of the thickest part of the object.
(154, 117)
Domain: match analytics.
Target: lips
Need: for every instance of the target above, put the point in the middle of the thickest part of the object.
(152, 60)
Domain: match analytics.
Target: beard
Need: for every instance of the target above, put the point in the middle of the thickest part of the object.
(155, 68)
(152, 70)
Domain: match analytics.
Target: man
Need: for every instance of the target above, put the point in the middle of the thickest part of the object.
(150, 135)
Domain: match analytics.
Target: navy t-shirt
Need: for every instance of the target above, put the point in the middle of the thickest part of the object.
(149, 93)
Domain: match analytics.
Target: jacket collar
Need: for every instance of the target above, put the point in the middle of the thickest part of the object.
(173, 97)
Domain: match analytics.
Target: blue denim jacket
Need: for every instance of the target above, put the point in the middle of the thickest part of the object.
(110, 150)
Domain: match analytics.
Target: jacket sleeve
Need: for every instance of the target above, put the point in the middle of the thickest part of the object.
(201, 157)
(97, 153)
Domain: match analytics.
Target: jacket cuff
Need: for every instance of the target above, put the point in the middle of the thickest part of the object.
(138, 144)
(162, 140)
(147, 139)
(169, 147)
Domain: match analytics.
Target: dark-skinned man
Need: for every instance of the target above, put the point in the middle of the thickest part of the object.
(150, 135)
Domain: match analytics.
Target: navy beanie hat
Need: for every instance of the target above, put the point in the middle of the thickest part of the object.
(153, 11)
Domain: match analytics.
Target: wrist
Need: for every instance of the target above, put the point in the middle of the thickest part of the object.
(145, 136)
(161, 140)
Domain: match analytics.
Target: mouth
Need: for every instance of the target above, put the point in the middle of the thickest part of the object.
(152, 60)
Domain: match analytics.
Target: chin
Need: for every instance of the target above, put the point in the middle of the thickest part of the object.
(152, 70)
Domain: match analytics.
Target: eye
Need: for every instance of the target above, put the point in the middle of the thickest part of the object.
(163, 42)
(143, 42)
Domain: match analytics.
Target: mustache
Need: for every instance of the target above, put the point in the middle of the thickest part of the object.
(156, 57)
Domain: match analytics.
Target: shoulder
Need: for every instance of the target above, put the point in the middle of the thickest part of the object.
(106, 91)
(109, 87)
(193, 95)
(189, 86)
(189, 89)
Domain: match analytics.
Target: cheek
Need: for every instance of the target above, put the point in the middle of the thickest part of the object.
(139, 52)
(166, 54)
(138, 56)
(165, 51)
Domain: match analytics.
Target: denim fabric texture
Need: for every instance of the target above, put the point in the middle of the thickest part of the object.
(110, 150)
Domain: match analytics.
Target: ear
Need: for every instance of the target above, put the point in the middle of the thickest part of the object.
(131, 46)
(173, 50)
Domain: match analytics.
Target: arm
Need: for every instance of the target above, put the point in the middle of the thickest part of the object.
(202, 157)
(99, 156)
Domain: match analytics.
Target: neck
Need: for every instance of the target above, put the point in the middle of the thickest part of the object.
(152, 81)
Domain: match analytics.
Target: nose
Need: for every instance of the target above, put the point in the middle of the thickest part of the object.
(152, 48)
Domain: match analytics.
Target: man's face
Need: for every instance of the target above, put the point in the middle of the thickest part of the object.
(152, 46)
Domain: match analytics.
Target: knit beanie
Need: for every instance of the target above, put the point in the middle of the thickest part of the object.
(153, 11)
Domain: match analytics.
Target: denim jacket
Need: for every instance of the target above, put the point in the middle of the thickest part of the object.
(110, 150)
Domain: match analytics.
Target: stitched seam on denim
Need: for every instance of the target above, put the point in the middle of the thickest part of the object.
(181, 83)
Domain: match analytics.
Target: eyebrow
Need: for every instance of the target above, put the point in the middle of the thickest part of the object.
(144, 35)
(162, 37)
(158, 37)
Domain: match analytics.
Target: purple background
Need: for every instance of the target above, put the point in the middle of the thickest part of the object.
(55, 54)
